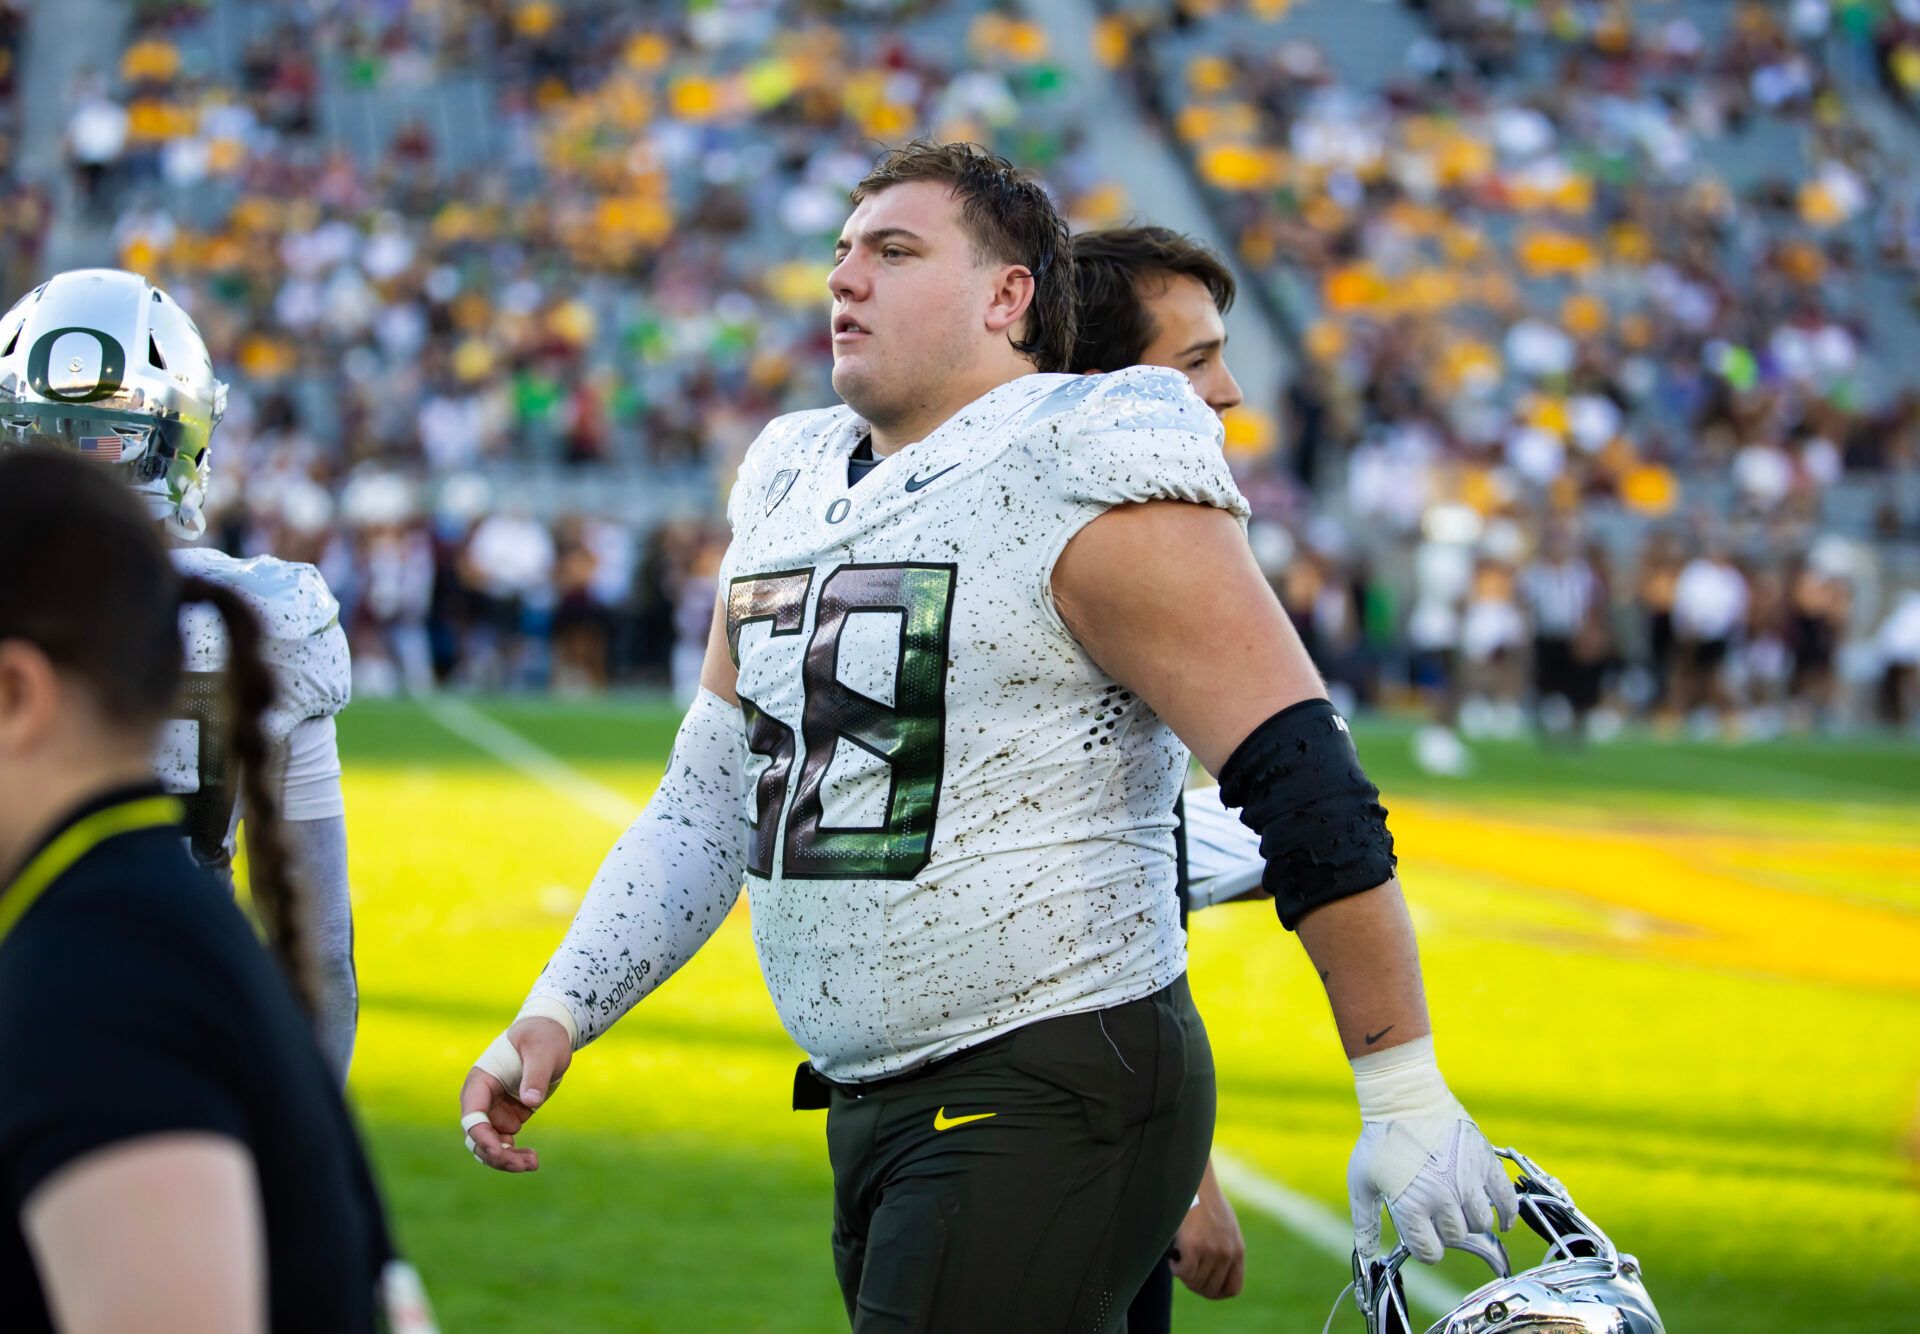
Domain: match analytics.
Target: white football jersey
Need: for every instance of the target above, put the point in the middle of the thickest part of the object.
(958, 822)
(1223, 855)
(303, 646)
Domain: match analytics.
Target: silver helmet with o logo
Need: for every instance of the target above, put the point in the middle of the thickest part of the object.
(102, 362)
(1584, 1285)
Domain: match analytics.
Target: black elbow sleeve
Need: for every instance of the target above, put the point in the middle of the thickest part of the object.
(1298, 784)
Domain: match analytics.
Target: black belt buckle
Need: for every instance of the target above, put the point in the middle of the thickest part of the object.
(811, 1093)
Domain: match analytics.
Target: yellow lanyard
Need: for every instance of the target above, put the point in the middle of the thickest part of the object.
(75, 842)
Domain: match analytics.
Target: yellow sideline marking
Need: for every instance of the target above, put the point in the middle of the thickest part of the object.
(1707, 897)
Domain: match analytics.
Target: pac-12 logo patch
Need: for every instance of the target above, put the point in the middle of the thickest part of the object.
(781, 484)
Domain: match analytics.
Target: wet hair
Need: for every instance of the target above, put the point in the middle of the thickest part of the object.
(1109, 268)
(94, 590)
(1010, 218)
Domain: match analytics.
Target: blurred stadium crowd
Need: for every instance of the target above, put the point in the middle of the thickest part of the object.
(1598, 408)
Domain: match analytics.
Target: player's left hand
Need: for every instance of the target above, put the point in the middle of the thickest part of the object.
(1422, 1157)
(1438, 1179)
(1209, 1254)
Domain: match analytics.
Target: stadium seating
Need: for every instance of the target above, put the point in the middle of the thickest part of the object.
(1638, 267)
(1622, 264)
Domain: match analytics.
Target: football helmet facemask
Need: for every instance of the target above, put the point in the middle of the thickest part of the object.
(102, 362)
(1583, 1286)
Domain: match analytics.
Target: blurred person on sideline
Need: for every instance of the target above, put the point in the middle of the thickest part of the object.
(1443, 563)
(1597, 648)
(582, 624)
(1897, 645)
(508, 573)
(1660, 566)
(994, 556)
(392, 650)
(69, 382)
(96, 139)
(1710, 601)
(1563, 601)
(1493, 643)
(1763, 662)
(179, 1157)
(1819, 603)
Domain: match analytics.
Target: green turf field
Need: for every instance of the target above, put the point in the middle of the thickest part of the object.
(1685, 978)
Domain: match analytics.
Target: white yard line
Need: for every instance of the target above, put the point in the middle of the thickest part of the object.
(541, 765)
(1323, 1229)
(1306, 1218)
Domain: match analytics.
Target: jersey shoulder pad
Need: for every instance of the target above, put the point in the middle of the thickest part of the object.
(315, 677)
(291, 599)
(1135, 435)
(783, 443)
(790, 436)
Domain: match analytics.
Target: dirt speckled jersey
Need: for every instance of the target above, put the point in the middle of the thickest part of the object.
(305, 649)
(958, 822)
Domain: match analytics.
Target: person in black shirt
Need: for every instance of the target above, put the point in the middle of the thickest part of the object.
(173, 1151)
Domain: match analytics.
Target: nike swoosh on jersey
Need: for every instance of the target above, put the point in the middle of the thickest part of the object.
(941, 1121)
(915, 483)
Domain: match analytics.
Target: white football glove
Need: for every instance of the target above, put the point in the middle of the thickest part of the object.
(1422, 1157)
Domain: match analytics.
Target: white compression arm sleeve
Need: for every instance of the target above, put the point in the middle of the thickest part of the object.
(317, 859)
(668, 883)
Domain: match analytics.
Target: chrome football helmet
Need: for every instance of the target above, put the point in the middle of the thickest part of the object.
(102, 362)
(1583, 1286)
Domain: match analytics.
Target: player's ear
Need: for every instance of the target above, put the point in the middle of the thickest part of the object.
(1011, 295)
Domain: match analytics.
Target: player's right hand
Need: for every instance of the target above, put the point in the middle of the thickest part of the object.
(512, 1080)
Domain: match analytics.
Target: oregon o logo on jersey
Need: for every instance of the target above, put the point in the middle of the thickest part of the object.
(112, 372)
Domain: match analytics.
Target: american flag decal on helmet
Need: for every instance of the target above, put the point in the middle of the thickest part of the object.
(106, 448)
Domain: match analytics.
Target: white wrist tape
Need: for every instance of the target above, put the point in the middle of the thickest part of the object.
(665, 887)
(546, 1007)
(1403, 1084)
(501, 1060)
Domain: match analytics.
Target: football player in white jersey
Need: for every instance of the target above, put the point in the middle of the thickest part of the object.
(970, 624)
(102, 362)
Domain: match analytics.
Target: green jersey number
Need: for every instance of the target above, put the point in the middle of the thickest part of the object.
(908, 735)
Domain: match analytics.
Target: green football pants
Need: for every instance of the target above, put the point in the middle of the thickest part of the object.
(1027, 1184)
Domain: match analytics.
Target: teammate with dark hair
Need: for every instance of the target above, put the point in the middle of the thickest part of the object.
(970, 624)
(173, 1151)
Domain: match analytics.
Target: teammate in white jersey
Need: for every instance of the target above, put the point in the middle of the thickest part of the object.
(942, 731)
(102, 362)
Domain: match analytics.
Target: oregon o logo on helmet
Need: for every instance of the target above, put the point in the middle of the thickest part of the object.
(113, 366)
